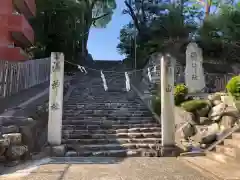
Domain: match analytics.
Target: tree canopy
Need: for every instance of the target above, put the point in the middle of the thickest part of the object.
(64, 25)
(158, 25)
(169, 26)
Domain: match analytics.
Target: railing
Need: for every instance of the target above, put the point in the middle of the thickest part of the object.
(214, 82)
(141, 82)
(17, 76)
(217, 82)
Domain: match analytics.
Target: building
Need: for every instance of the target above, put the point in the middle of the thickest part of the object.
(16, 34)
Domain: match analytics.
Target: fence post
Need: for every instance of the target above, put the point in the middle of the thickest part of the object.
(6, 69)
(167, 101)
(56, 99)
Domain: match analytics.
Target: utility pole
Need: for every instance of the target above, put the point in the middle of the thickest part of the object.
(135, 50)
(83, 24)
(74, 42)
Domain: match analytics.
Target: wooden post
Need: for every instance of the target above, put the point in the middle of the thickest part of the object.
(56, 99)
(167, 101)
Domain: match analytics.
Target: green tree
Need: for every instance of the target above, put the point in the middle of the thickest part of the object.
(96, 13)
(64, 25)
(168, 27)
(156, 26)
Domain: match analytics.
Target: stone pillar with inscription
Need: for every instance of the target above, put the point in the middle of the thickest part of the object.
(167, 101)
(194, 74)
(56, 99)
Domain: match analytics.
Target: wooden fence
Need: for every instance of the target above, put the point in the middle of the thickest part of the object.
(217, 82)
(17, 76)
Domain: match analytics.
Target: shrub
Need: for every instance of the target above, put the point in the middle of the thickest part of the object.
(156, 104)
(233, 87)
(193, 105)
(180, 93)
(155, 89)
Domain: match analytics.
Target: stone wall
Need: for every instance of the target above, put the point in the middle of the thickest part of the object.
(22, 137)
(203, 126)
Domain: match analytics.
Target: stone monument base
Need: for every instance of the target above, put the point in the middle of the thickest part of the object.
(170, 151)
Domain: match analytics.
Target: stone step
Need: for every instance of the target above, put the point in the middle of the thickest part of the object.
(111, 141)
(108, 113)
(222, 158)
(232, 142)
(108, 104)
(104, 100)
(112, 131)
(99, 89)
(104, 107)
(96, 108)
(93, 108)
(104, 147)
(115, 90)
(107, 123)
(236, 135)
(104, 111)
(76, 135)
(105, 103)
(106, 116)
(108, 119)
(229, 150)
(115, 93)
(114, 126)
(116, 153)
(99, 97)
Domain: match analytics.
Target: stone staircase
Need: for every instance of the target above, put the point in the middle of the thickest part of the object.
(114, 123)
(228, 151)
(223, 160)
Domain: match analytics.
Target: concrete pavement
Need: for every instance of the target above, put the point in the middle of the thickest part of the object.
(105, 169)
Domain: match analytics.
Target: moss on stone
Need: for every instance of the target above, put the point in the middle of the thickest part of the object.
(193, 105)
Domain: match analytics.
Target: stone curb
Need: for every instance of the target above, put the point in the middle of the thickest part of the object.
(156, 117)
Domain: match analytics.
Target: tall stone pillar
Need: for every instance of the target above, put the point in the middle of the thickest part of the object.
(194, 73)
(56, 99)
(167, 101)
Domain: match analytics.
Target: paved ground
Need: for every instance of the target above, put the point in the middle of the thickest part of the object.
(108, 169)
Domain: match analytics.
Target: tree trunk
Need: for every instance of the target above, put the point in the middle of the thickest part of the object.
(208, 5)
(87, 26)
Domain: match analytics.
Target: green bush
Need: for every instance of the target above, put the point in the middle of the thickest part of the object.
(180, 93)
(156, 104)
(193, 105)
(155, 89)
(233, 87)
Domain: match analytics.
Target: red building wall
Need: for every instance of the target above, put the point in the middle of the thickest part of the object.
(16, 33)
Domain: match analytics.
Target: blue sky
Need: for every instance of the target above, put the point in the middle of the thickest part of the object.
(102, 42)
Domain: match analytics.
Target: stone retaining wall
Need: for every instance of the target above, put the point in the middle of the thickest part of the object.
(22, 137)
